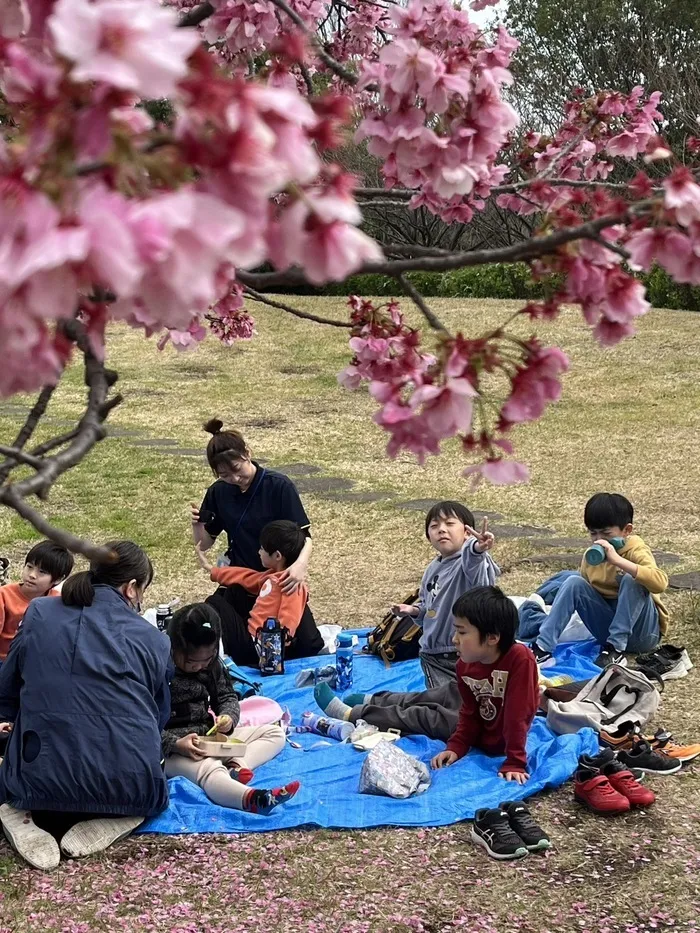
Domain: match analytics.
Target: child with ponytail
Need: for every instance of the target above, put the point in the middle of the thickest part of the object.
(201, 686)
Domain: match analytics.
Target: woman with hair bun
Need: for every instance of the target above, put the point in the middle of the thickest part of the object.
(245, 497)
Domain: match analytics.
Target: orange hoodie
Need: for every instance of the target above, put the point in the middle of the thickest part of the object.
(271, 603)
(13, 605)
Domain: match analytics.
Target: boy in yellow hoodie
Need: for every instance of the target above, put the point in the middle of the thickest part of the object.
(617, 600)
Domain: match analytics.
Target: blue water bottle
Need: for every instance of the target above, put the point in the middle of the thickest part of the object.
(595, 554)
(343, 663)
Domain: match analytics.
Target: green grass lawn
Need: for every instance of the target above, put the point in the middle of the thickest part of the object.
(628, 421)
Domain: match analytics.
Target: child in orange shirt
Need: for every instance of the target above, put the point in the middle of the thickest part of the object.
(281, 542)
(45, 565)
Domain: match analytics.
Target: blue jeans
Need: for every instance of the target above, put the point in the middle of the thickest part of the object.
(628, 623)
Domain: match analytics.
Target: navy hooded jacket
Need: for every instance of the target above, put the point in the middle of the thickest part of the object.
(87, 691)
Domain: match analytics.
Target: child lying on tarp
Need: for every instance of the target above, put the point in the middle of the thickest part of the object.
(490, 705)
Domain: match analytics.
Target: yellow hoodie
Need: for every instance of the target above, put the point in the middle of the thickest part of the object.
(606, 578)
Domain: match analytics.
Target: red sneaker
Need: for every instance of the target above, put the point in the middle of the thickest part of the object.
(595, 791)
(624, 782)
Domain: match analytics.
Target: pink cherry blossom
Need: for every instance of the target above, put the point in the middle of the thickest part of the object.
(668, 247)
(682, 195)
(536, 382)
(498, 471)
(130, 44)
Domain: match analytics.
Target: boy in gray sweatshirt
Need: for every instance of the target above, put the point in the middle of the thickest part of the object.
(463, 562)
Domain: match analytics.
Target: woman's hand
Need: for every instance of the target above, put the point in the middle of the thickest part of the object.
(224, 724)
(293, 577)
(194, 513)
(5, 728)
(188, 747)
(444, 759)
(520, 777)
(201, 557)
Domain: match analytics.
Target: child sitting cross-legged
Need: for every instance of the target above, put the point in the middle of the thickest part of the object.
(497, 680)
(46, 565)
(281, 543)
(489, 705)
(201, 683)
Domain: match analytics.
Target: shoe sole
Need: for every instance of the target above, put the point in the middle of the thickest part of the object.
(543, 665)
(88, 838)
(588, 806)
(675, 674)
(661, 773)
(480, 841)
(13, 823)
(540, 846)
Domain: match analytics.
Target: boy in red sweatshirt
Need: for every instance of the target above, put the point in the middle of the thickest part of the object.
(497, 680)
(44, 566)
(281, 542)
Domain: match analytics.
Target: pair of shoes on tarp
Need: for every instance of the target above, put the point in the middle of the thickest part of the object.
(41, 850)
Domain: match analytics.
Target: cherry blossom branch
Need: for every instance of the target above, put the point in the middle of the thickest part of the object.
(420, 303)
(28, 428)
(79, 441)
(70, 541)
(569, 148)
(197, 15)
(306, 315)
(529, 249)
(348, 76)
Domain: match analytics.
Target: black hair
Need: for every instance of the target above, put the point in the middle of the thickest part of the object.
(225, 447)
(285, 537)
(607, 510)
(448, 509)
(194, 626)
(129, 562)
(490, 611)
(51, 558)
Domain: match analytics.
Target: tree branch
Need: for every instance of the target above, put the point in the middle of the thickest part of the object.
(70, 541)
(306, 315)
(530, 249)
(419, 301)
(348, 76)
(27, 429)
(79, 441)
(196, 16)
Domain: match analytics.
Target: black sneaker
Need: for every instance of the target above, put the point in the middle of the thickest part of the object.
(544, 658)
(597, 762)
(610, 655)
(523, 824)
(644, 757)
(669, 653)
(492, 831)
(662, 668)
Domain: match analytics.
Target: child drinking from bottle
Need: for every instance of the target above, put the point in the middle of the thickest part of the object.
(201, 686)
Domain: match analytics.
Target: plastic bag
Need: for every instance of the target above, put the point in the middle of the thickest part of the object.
(389, 771)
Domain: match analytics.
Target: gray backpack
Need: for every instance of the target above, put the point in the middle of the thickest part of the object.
(616, 696)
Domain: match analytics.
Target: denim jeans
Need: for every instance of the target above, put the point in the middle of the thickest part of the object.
(628, 623)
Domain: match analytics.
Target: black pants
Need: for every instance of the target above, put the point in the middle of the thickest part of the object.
(234, 604)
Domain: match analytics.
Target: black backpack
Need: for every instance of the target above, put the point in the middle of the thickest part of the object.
(397, 637)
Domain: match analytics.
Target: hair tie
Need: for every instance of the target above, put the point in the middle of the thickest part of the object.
(206, 624)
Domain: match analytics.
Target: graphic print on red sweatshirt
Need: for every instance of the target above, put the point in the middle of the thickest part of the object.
(486, 691)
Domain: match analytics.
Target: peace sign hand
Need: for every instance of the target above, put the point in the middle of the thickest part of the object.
(484, 538)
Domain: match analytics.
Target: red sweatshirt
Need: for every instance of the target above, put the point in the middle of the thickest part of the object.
(13, 605)
(271, 603)
(499, 702)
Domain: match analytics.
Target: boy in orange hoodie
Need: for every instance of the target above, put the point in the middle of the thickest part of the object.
(281, 542)
(45, 565)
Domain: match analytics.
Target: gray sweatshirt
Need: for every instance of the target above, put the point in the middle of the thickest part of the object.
(443, 582)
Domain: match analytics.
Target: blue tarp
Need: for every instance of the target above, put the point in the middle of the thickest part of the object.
(330, 774)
